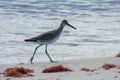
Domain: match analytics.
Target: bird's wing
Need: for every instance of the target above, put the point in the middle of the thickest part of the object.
(48, 36)
(43, 37)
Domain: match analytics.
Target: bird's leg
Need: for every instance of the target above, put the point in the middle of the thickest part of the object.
(31, 59)
(48, 54)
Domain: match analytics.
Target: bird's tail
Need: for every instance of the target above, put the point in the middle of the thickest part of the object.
(29, 40)
(26, 40)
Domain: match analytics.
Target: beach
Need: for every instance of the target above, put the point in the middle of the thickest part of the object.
(99, 73)
(88, 53)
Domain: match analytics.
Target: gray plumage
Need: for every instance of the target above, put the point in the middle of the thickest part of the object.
(48, 38)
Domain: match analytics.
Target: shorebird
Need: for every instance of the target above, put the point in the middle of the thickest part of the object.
(48, 38)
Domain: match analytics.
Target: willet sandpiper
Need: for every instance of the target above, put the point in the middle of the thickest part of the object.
(48, 38)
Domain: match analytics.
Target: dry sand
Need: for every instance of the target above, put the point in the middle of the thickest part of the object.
(75, 65)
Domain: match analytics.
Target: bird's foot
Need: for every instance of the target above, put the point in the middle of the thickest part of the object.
(31, 60)
(53, 61)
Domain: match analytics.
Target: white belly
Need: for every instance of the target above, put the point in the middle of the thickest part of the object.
(48, 42)
(52, 41)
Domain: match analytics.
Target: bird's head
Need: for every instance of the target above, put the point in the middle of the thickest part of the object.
(65, 22)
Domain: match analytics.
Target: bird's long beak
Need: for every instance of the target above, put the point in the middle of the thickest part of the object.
(71, 26)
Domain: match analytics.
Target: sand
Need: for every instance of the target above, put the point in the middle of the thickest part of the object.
(75, 65)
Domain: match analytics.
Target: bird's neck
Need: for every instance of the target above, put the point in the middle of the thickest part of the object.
(61, 27)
